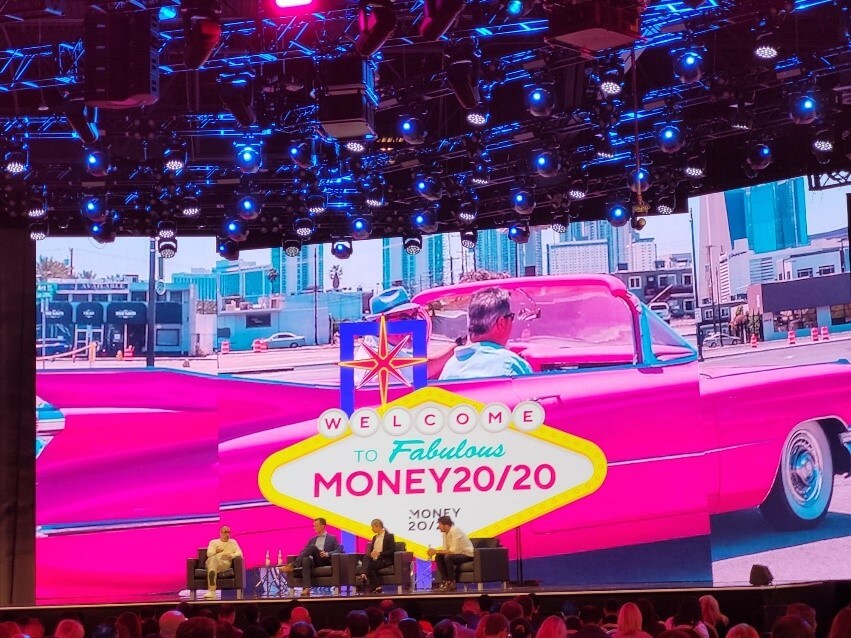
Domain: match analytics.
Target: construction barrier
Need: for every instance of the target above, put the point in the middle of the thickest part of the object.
(264, 345)
(814, 334)
(825, 333)
(792, 337)
(225, 349)
(255, 345)
(128, 353)
(753, 341)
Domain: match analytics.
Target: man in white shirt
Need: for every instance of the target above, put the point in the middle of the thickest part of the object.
(220, 554)
(457, 550)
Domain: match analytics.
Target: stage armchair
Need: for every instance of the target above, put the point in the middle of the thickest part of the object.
(398, 574)
(196, 575)
(339, 574)
(489, 564)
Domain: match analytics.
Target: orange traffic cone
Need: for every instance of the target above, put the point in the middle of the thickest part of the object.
(753, 341)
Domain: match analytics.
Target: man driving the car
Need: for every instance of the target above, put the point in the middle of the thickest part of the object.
(489, 324)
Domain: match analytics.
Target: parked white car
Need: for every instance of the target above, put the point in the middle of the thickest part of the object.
(285, 340)
(662, 309)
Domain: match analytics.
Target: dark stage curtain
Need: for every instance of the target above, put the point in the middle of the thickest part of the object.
(17, 418)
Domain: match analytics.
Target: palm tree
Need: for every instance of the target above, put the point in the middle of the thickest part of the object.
(336, 273)
(49, 268)
(87, 274)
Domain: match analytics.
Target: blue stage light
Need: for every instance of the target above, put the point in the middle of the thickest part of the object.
(236, 229)
(228, 249)
(688, 67)
(412, 130)
(547, 164)
(759, 156)
(540, 101)
(97, 162)
(639, 180)
(248, 207)
(618, 215)
(669, 139)
(302, 155)
(342, 248)
(361, 228)
(524, 202)
(515, 8)
(103, 232)
(249, 159)
(93, 209)
(804, 110)
(168, 13)
(519, 232)
(429, 188)
(425, 221)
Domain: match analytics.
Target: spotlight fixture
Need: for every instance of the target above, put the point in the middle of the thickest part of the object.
(357, 147)
(561, 222)
(438, 16)
(617, 215)
(412, 130)
(167, 247)
(425, 221)
(237, 97)
(292, 247)
(476, 117)
(38, 231)
(316, 203)
(342, 248)
(518, 232)
(804, 109)
(228, 249)
(201, 31)
(375, 196)
(93, 209)
(742, 120)
(822, 145)
(103, 232)
(236, 229)
(759, 156)
(190, 207)
(377, 20)
(166, 230)
(639, 180)
(547, 163)
(517, 8)
(637, 223)
(360, 228)
(467, 213)
(248, 207)
(765, 47)
(97, 162)
(82, 119)
(603, 147)
(481, 174)
(523, 202)
(302, 155)
(36, 209)
(610, 80)
(669, 138)
(469, 237)
(688, 67)
(539, 101)
(665, 204)
(304, 227)
(695, 167)
(577, 190)
(16, 162)
(412, 244)
(174, 157)
(249, 159)
(428, 187)
(462, 75)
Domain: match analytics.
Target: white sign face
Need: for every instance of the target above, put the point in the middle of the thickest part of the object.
(431, 453)
(125, 314)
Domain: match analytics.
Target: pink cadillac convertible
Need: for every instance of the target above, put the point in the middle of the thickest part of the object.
(148, 464)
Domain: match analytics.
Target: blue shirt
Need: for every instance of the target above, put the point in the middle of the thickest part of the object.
(484, 359)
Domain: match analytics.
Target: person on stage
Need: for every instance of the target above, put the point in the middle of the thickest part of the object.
(457, 550)
(317, 553)
(220, 554)
(379, 554)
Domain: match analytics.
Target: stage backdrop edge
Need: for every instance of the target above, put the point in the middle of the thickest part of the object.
(17, 418)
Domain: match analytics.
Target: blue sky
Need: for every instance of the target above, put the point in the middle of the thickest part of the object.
(826, 210)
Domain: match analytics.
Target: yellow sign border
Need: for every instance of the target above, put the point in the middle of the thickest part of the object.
(447, 399)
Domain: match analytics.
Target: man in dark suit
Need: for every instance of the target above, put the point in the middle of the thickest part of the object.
(317, 553)
(379, 554)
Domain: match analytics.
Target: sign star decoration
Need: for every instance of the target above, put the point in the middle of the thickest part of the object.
(384, 362)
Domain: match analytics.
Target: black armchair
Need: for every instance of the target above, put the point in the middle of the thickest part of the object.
(489, 564)
(196, 575)
(398, 574)
(336, 575)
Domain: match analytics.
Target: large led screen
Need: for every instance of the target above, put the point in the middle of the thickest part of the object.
(616, 407)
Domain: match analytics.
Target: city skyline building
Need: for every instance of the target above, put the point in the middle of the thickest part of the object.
(770, 216)
(578, 257)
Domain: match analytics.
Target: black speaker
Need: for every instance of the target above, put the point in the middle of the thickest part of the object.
(761, 576)
(121, 63)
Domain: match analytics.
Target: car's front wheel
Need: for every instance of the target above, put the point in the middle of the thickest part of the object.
(803, 487)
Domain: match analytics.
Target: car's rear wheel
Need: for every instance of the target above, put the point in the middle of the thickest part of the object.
(803, 487)
(294, 344)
